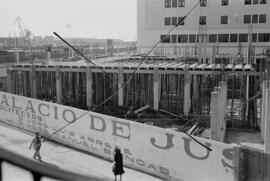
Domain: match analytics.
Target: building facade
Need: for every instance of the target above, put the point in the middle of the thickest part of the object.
(215, 28)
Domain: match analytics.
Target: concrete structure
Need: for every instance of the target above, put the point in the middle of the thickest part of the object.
(218, 112)
(175, 87)
(215, 28)
(267, 122)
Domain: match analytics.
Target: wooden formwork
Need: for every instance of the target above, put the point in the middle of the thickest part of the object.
(138, 91)
(251, 165)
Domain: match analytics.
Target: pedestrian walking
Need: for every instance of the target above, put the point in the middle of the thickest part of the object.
(36, 142)
(118, 164)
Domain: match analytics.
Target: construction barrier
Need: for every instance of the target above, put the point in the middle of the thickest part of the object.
(164, 153)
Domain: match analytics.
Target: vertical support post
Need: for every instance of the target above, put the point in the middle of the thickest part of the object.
(48, 56)
(89, 84)
(263, 106)
(247, 98)
(204, 47)
(220, 111)
(121, 91)
(223, 109)
(236, 159)
(267, 123)
(200, 48)
(24, 83)
(58, 85)
(213, 54)
(17, 55)
(214, 115)
(36, 176)
(187, 99)
(9, 81)
(33, 82)
(156, 81)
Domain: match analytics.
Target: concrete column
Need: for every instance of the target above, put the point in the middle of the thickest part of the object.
(33, 82)
(9, 81)
(156, 89)
(187, 98)
(120, 84)
(213, 54)
(204, 52)
(267, 123)
(263, 106)
(200, 57)
(223, 109)
(48, 56)
(89, 84)
(58, 85)
(17, 55)
(220, 112)
(214, 116)
(24, 76)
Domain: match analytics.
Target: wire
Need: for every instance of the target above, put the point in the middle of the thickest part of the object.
(77, 51)
(131, 77)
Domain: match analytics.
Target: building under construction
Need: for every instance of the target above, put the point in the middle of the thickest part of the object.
(162, 89)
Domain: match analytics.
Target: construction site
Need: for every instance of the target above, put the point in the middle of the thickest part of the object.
(162, 88)
(198, 93)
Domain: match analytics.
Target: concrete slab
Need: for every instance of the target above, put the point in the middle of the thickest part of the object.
(59, 156)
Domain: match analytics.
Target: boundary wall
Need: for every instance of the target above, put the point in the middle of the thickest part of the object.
(164, 153)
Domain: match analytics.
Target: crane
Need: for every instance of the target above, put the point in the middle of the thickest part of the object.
(24, 32)
(21, 26)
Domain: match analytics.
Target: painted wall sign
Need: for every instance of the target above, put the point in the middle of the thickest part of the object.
(164, 153)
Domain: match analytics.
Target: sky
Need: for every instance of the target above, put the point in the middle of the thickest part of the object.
(88, 18)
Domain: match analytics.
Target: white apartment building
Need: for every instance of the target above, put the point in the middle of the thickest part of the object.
(229, 28)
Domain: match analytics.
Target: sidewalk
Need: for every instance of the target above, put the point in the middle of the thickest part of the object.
(59, 156)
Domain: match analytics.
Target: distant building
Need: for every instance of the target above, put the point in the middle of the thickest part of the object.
(215, 28)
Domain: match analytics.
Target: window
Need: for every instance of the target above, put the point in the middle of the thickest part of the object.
(174, 38)
(192, 38)
(233, 38)
(262, 18)
(167, 21)
(167, 3)
(182, 38)
(255, 1)
(264, 37)
(254, 37)
(202, 20)
(203, 3)
(223, 38)
(247, 2)
(179, 19)
(243, 37)
(212, 38)
(174, 21)
(224, 2)
(254, 18)
(174, 3)
(247, 19)
(181, 3)
(224, 20)
(263, 1)
(165, 40)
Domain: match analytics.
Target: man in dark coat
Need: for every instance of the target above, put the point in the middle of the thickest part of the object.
(118, 164)
(36, 142)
